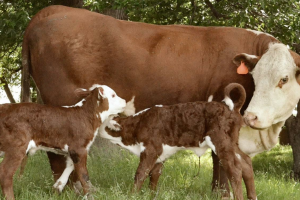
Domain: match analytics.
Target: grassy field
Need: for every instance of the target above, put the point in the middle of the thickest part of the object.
(112, 172)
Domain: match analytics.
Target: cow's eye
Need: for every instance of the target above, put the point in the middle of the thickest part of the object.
(113, 95)
(283, 81)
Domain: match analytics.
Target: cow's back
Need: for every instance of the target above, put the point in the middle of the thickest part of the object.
(74, 48)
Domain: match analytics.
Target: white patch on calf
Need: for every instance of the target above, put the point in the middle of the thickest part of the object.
(116, 104)
(160, 106)
(92, 141)
(229, 102)
(31, 149)
(210, 98)
(113, 125)
(136, 114)
(238, 156)
(63, 179)
(79, 104)
(210, 144)
(2, 153)
(167, 152)
(66, 148)
(129, 109)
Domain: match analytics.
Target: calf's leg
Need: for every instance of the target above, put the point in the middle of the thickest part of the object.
(220, 180)
(233, 170)
(80, 159)
(8, 167)
(62, 181)
(154, 175)
(147, 162)
(248, 175)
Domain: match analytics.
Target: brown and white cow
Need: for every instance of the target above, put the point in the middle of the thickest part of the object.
(66, 48)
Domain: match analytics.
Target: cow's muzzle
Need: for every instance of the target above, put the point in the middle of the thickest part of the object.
(251, 119)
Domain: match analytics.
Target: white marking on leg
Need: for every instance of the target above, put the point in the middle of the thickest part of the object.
(210, 144)
(63, 179)
(130, 109)
(2, 153)
(31, 147)
(210, 98)
(229, 102)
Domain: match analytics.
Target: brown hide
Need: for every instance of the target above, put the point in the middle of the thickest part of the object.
(48, 126)
(67, 48)
(187, 125)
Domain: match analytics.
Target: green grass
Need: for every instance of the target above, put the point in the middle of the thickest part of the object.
(112, 171)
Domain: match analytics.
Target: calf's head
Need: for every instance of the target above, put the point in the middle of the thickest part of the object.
(277, 89)
(108, 102)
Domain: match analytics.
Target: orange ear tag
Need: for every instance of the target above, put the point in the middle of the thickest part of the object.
(242, 69)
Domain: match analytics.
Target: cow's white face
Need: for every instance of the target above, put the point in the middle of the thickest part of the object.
(276, 88)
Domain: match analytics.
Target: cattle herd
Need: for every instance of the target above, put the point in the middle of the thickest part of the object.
(181, 85)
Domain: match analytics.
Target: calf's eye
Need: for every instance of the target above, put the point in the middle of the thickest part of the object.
(283, 81)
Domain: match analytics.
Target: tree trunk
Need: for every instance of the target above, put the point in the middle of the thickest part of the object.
(293, 129)
(7, 91)
(118, 14)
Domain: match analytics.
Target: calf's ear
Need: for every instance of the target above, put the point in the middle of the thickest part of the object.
(81, 93)
(101, 91)
(248, 60)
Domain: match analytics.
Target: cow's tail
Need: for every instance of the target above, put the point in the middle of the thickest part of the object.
(26, 63)
(237, 105)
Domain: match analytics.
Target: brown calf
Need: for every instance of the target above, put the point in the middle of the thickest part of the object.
(161, 131)
(69, 131)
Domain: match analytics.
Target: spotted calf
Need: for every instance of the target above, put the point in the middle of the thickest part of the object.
(69, 131)
(157, 133)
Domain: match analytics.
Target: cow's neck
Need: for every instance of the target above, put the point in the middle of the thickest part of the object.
(253, 141)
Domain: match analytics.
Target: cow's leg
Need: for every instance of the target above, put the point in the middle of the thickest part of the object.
(154, 175)
(220, 180)
(12, 160)
(57, 163)
(23, 165)
(248, 175)
(62, 181)
(147, 162)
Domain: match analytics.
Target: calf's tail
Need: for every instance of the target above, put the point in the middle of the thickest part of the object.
(237, 105)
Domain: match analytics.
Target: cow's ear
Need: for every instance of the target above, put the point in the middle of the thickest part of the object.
(81, 93)
(296, 58)
(249, 60)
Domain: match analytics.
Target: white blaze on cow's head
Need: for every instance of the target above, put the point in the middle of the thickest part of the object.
(277, 89)
(115, 103)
